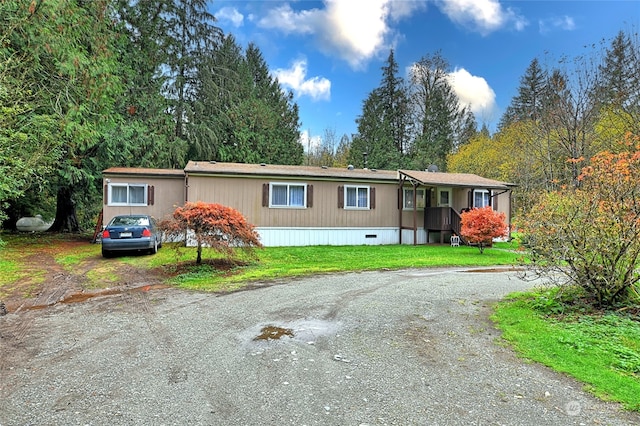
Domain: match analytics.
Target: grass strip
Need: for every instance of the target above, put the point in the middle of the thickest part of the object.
(286, 262)
(601, 350)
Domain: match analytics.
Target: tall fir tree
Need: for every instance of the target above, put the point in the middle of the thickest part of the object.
(192, 38)
(243, 115)
(618, 95)
(442, 123)
(384, 126)
(144, 135)
(528, 104)
(67, 61)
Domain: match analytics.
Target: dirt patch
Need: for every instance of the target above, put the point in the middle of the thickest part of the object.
(45, 282)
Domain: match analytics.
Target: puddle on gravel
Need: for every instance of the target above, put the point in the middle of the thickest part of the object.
(305, 331)
(83, 297)
(271, 332)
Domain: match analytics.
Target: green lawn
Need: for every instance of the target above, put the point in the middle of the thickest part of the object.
(600, 349)
(283, 262)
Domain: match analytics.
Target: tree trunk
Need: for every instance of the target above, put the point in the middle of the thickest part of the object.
(66, 219)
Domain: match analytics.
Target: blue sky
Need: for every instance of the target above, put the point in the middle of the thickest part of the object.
(329, 53)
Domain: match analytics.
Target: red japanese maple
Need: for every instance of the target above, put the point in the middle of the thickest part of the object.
(216, 226)
(481, 225)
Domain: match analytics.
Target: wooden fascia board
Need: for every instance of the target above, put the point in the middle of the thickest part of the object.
(294, 177)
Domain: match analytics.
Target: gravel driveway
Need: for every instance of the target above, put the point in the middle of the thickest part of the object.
(411, 347)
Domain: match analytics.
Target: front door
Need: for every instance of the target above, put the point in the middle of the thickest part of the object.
(444, 197)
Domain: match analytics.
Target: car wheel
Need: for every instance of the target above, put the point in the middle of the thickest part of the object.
(154, 249)
(106, 253)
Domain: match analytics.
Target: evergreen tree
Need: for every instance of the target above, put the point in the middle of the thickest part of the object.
(396, 105)
(619, 73)
(528, 104)
(384, 126)
(372, 146)
(191, 37)
(145, 133)
(221, 86)
(65, 51)
(442, 123)
(618, 95)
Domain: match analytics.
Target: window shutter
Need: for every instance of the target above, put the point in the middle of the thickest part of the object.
(494, 200)
(150, 195)
(106, 195)
(470, 199)
(400, 198)
(309, 196)
(265, 195)
(372, 196)
(340, 197)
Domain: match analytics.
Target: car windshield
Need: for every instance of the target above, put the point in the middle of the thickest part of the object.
(130, 221)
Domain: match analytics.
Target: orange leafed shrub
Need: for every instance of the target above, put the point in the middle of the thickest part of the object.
(212, 225)
(481, 225)
(589, 236)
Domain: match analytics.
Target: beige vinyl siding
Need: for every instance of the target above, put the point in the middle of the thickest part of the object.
(245, 195)
(460, 198)
(168, 193)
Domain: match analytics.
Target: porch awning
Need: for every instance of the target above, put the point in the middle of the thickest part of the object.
(464, 180)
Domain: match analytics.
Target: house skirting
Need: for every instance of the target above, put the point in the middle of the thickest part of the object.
(283, 236)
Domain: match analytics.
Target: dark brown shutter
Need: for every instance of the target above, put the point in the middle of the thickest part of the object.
(309, 196)
(470, 199)
(106, 194)
(150, 195)
(265, 195)
(340, 197)
(372, 195)
(494, 200)
(400, 198)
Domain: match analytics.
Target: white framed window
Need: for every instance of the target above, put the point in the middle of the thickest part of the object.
(408, 198)
(444, 197)
(356, 197)
(481, 198)
(291, 195)
(127, 194)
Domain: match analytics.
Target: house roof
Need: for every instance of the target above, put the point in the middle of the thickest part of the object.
(211, 167)
(329, 173)
(133, 171)
(454, 179)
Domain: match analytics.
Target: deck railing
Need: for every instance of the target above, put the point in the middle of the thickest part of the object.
(442, 219)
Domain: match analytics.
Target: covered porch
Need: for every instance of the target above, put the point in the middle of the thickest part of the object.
(444, 197)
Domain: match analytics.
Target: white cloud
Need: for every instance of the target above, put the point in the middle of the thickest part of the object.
(308, 142)
(295, 78)
(484, 16)
(475, 92)
(563, 23)
(230, 14)
(285, 19)
(354, 30)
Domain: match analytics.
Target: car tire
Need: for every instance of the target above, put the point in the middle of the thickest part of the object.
(154, 249)
(106, 253)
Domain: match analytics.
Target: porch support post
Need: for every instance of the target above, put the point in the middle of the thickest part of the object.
(415, 213)
(400, 194)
